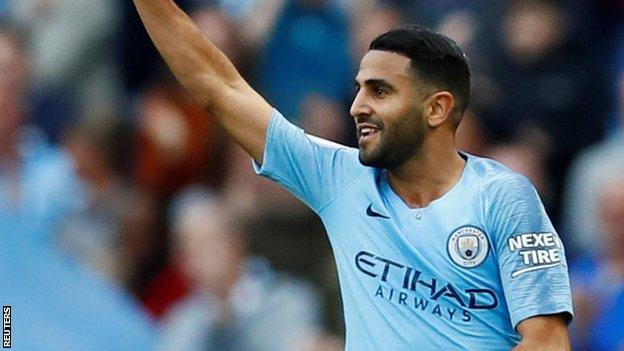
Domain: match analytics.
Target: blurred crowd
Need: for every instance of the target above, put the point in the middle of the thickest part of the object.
(126, 210)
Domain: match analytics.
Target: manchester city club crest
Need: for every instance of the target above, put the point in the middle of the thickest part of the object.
(468, 246)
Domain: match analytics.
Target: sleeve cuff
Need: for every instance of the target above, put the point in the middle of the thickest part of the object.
(266, 158)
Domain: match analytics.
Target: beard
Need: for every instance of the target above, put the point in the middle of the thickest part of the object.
(397, 143)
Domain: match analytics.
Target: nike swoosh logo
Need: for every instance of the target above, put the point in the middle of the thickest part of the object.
(370, 212)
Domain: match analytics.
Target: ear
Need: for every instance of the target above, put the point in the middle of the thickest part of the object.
(439, 108)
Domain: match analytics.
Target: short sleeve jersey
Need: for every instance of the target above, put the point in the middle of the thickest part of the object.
(458, 274)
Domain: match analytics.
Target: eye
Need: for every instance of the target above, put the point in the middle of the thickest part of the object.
(380, 92)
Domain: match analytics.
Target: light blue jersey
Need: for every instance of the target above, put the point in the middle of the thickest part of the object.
(459, 274)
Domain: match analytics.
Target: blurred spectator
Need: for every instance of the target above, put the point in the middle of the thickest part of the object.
(325, 118)
(598, 280)
(527, 152)
(73, 55)
(533, 66)
(470, 135)
(538, 79)
(58, 306)
(434, 13)
(592, 168)
(255, 19)
(306, 53)
(540, 68)
(221, 30)
(179, 143)
(369, 19)
(112, 231)
(37, 184)
(237, 302)
(460, 26)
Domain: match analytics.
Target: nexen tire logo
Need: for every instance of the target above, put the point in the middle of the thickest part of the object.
(538, 251)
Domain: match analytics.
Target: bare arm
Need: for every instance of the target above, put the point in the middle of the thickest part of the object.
(544, 333)
(207, 74)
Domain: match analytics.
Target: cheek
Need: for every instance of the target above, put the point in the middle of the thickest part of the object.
(404, 108)
(395, 107)
(408, 124)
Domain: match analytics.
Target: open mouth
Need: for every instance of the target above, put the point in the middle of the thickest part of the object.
(366, 133)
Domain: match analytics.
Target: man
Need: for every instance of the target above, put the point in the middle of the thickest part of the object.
(38, 189)
(237, 302)
(435, 249)
(37, 185)
(598, 278)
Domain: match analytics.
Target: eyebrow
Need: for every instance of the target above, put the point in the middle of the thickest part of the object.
(375, 82)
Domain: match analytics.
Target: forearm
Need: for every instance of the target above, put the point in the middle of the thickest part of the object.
(197, 63)
(207, 74)
(541, 346)
(547, 333)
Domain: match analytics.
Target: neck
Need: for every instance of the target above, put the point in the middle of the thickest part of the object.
(429, 174)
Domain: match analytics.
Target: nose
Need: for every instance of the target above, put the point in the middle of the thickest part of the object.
(360, 107)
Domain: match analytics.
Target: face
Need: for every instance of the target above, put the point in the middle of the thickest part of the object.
(388, 109)
(612, 212)
(208, 252)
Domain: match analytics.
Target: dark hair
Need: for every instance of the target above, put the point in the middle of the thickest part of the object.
(436, 59)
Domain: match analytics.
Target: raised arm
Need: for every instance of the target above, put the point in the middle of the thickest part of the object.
(548, 333)
(207, 74)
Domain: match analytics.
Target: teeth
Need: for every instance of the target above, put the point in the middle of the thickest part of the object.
(365, 131)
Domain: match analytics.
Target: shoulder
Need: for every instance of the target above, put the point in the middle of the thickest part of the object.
(498, 181)
(328, 144)
(348, 155)
(507, 197)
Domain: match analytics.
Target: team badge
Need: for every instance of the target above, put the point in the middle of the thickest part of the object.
(468, 247)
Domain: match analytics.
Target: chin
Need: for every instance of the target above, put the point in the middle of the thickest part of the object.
(382, 160)
(364, 161)
(369, 160)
